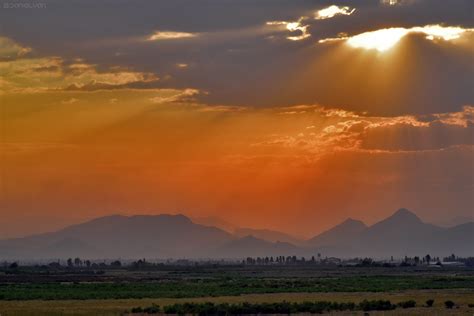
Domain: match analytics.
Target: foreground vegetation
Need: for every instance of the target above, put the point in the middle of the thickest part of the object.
(318, 307)
(115, 291)
(202, 287)
(461, 298)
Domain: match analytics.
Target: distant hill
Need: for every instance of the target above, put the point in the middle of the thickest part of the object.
(455, 221)
(216, 222)
(340, 235)
(239, 232)
(250, 246)
(160, 236)
(403, 233)
(176, 236)
(268, 235)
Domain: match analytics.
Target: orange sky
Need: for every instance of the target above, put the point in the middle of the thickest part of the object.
(81, 140)
(298, 169)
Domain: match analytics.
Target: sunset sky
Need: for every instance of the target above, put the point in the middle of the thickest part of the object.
(283, 114)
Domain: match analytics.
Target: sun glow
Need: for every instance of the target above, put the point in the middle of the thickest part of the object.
(380, 40)
(384, 39)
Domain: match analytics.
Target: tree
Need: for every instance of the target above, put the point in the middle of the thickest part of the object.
(55, 265)
(14, 265)
(116, 264)
(78, 262)
(428, 259)
(449, 304)
(417, 260)
(69, 263)
(88, 263)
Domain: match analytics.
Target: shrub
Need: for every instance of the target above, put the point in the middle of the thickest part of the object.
(449, 304)
(380, 305)
(153, 309)
(284, 307)
(430, 302)
(470, 305)
(170, 309)
(137, 310)
(407, 304)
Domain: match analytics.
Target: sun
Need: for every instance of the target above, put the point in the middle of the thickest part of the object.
(380, 40)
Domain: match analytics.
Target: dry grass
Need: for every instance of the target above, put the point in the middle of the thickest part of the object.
(118, 307)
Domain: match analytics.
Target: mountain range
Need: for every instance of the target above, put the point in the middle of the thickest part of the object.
(177, 236)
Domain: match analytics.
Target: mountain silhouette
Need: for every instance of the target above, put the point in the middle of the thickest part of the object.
(215, 222)
(176, 236)
(403, 233)
(339, 235)
(268, 235)
(250, 246)
(265, 234)
(160, 236)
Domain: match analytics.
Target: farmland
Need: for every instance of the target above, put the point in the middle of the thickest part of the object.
(116, 291)
(118, 307)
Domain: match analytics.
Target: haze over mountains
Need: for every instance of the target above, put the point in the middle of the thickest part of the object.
(177, 236)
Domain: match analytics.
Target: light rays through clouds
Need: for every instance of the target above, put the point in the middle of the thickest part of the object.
(293, 114)
(385, 39)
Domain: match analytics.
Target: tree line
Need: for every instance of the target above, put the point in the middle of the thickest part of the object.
(77, 262)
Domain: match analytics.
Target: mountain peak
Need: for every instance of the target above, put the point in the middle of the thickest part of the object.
(352, 222)
(162, 217)
(340, 234)
(405, 214)
(402, 218)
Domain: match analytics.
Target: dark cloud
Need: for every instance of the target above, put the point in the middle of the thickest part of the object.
(240, 64)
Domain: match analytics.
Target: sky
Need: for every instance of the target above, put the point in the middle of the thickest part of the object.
(284, 114)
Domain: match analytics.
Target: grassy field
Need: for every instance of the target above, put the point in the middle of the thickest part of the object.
(206, 287)
(116, 291)
(118, 307)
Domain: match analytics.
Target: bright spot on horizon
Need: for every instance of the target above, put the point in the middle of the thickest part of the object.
(384, 39)
(293, 27)
(167, 35)
(332, 11)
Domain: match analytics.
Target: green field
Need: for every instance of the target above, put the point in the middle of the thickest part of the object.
(36, 291)
(225, 287)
